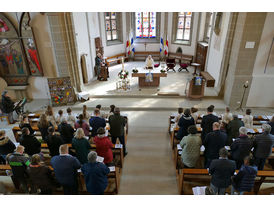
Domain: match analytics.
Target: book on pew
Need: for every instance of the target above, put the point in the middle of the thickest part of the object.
(250, 131)
(199, 190)
(202, 148)
(99, 159)
(118, 146)
(112, 168)
(260, 130)
(269, 117)
(31, 115)
(179, 147)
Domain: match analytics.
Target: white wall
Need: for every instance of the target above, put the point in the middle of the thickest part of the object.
(38, 88)
(216, 49)
(261, 89)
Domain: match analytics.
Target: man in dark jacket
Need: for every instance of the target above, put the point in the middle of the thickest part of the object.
(65, 168)
(241, 147)
(95, 175)
(184, 122)
(19, 163)
(7, 106)
(263, 146)
(54, 142)
(245, 178)
(213, 142)
(31, 143)
(66, 131)
(221, 170)
(117, 124)
(96, 122)
(207, 122)
(233, 129)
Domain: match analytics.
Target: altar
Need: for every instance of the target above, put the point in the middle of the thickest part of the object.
(149, 78)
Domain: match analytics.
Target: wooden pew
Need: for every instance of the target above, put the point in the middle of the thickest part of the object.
(210, 81)
(260, 179)
(116, 59)
(142, 55)
(183, 58)
(112, 175)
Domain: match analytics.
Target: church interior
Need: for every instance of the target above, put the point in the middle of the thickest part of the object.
(147, 64)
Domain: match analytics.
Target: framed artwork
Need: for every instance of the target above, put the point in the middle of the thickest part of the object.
(13, 67)
(30, 46)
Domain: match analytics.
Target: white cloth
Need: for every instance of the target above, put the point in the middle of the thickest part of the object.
(149, 62)
(248, 121)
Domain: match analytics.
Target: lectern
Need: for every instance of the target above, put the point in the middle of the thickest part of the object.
(196, 88)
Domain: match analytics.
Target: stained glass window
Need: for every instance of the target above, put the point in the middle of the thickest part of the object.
(111, 25)
(145, 24)
(184, 26)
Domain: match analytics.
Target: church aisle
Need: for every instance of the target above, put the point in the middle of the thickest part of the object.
(148, 167)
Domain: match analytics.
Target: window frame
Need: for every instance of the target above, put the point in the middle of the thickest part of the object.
(119, 32)
(208, 24)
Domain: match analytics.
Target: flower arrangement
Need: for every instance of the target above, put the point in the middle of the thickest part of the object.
(162, 70)
(135, 70)
(123, 74)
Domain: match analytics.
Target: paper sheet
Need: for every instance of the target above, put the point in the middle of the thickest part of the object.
(112, 168)
(199, 190)
(118, 146)
(179, 147)
(99, 159)
(240, 116)
(227, 147)
(202, 149)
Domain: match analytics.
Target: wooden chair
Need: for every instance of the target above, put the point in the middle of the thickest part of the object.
(170, 62)
(183, 66)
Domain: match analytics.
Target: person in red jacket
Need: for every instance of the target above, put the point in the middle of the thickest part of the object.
(104, 146)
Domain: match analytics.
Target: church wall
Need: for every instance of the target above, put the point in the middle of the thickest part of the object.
(216, 49)
(263, 82)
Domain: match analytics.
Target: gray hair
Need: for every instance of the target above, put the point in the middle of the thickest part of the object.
(63, 120)
(243, 130)
(266, 128)
(92, 157)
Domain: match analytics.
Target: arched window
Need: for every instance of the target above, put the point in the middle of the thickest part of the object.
(145, 24)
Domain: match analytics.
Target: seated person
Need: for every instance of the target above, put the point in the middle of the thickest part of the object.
(66, 131)
(30, 142)
(95, 174)
(149, 62)
(96, 122)
(6, 146)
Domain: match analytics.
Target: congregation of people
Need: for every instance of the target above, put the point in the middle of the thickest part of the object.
(247, 154)
(27, 159)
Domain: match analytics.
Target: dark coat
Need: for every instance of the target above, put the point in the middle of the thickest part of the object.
(213, 142)
(95, 123)
(18, 163)
(31, 144)
(82, 147)
(117, 124)
(263, 144)
(6, 146)
(233, 130)
(66, 132)
(184, 123)
(95, 177)
(241, 147)
(245, 178)
(65, 169)
(27, 125)
(272, 127)
(54, 142)
(206, 124)
(44, 130)
(221, 171)
(7, 104)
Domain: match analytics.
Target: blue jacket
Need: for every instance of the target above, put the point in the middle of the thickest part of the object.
(65, 169)
(95, 177)
(184, 123)
(95, 123)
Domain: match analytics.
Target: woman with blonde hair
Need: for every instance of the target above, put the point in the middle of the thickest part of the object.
(50, 116)
(81, 146)
(86, 115)
(43, 126)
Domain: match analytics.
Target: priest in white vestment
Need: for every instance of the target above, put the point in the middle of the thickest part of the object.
(149, 62)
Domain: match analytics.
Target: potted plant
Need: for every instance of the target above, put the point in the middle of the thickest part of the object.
(135, 70)
(163, 71)
(123, 74)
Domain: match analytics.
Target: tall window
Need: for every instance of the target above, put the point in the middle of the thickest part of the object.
(208, 26)
(145, 24)
(111, 26)
(184, 26)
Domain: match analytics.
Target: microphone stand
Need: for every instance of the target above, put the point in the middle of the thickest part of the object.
(245, 87)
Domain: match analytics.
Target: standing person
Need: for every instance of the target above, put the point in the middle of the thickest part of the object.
(263, 144)
(7, 106)
(43, 126)
(227, 117)
(149, 62)
(241, 147)
(185, 121)
(213, 142)
(40, 175)
(59, 117)
(102, 114)
(54, 142)
(6, 146)
(70, 117)
(117, 130)
(207, 122)
(66, 131)
(81, 145)
(233, 129)
(111, 112)
(245, 178)
(85, 113)
(248, 119)
(24, 122)
(19, 163)
(98, 62)
(221, 170)
(96, 122)
(103, 146)
(95, 174)
(50, 115)
(31, 144)
(81, 123)
(194, 113)
(179, 115)
(65, 168)
(191, 145)
(271, 123)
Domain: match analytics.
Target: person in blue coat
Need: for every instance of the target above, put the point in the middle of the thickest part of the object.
(95, 174)
(185, 121)
(96, 122)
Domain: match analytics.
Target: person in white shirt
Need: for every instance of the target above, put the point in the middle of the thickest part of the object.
(248, 119)
(149, 62)
(227, 117)
(70, 117)
(194, 114)
(85, 113)
(59, 116)
(179, 115)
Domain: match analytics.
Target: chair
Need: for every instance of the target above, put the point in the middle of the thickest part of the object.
(170, 62)
(183, 66)
(156, 65)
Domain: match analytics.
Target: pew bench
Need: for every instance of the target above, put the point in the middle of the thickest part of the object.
(116, 59)
(142, 55)
(210, 81)
(183, 58)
